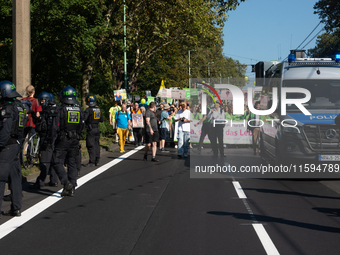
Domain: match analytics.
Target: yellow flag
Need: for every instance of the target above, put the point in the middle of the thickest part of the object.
(162, 85)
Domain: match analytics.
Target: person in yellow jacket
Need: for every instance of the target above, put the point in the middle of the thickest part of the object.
(113, 110)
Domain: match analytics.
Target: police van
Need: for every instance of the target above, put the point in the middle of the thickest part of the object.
(289, 134)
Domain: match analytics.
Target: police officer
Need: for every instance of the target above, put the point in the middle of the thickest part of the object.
(79, 158)
(46, 126)
(67, 143)
(12, 123)
(93, 116)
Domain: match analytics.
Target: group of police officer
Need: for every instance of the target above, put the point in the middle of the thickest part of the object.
(60, 129)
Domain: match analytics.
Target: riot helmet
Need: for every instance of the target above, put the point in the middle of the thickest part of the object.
(91, 100)
(69, 95)
(8, 90)
(52, 99)
(44, 98)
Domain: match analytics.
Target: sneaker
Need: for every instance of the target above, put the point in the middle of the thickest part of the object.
(122, 151)
(175, 146)
(190, 146)
(154, 160)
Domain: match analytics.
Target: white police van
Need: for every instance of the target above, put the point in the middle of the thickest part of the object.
(296, 135)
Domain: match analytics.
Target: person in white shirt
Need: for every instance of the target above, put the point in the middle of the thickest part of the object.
(216, 131)
(183, 135)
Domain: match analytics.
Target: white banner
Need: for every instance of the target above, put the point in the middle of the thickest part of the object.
(164, 93)
(178, 94)
(237, 134)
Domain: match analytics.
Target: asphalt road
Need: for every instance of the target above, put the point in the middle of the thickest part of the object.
(138, 207)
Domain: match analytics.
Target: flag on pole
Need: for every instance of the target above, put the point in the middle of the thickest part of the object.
(162, 85)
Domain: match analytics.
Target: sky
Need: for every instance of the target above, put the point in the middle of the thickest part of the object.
(265, 30)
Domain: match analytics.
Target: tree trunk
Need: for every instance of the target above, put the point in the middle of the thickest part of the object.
(85, 87)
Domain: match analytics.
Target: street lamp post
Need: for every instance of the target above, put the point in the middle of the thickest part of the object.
(209, 70)
(125, 65)
(189, 69)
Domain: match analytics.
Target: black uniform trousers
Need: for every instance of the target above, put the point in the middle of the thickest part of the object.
(204, 131)
(10, 171)
(92, 144)
(45, 165)
(216, 133)
(67, 148)
(79, 160)
(138, 134)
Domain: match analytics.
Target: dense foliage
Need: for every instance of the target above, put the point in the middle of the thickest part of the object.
(81, 43)
(328, 44)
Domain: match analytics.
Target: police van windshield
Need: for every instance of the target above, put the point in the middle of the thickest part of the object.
(325, 94)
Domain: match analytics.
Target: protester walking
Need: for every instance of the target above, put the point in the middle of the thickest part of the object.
(254, 121)
(183, 134)
(137, 130)
(163, 130)
(123, 125)
(151, 134)
(113, 110)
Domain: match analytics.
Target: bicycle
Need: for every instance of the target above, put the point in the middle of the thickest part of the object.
(30, 151)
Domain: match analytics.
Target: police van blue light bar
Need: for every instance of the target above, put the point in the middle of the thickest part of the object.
(337, 58)
(291, 58)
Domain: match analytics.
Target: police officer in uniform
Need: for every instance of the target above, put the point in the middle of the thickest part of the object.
(45, 126)
(79, 158)
(93, 116)
(12, 123)
(67, 144)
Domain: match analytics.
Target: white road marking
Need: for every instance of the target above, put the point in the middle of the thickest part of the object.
(265, 239)
(267, 243)
(33, 211)
(239, 190)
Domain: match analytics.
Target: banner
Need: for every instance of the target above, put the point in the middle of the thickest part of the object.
(187, 93)
(151, 99)
(120, 94)
(164, 93)
(137, 120)
(178, 94)
(237, 134)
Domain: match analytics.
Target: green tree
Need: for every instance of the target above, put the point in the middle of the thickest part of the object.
(327, 45)
(329, 13)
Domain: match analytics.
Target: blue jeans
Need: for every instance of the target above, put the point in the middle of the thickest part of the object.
(183, 138)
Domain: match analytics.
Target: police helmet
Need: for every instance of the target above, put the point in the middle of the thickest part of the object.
(52, 98)
(8, 89)
(91, 100)
(44, 96)
(69, 95)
